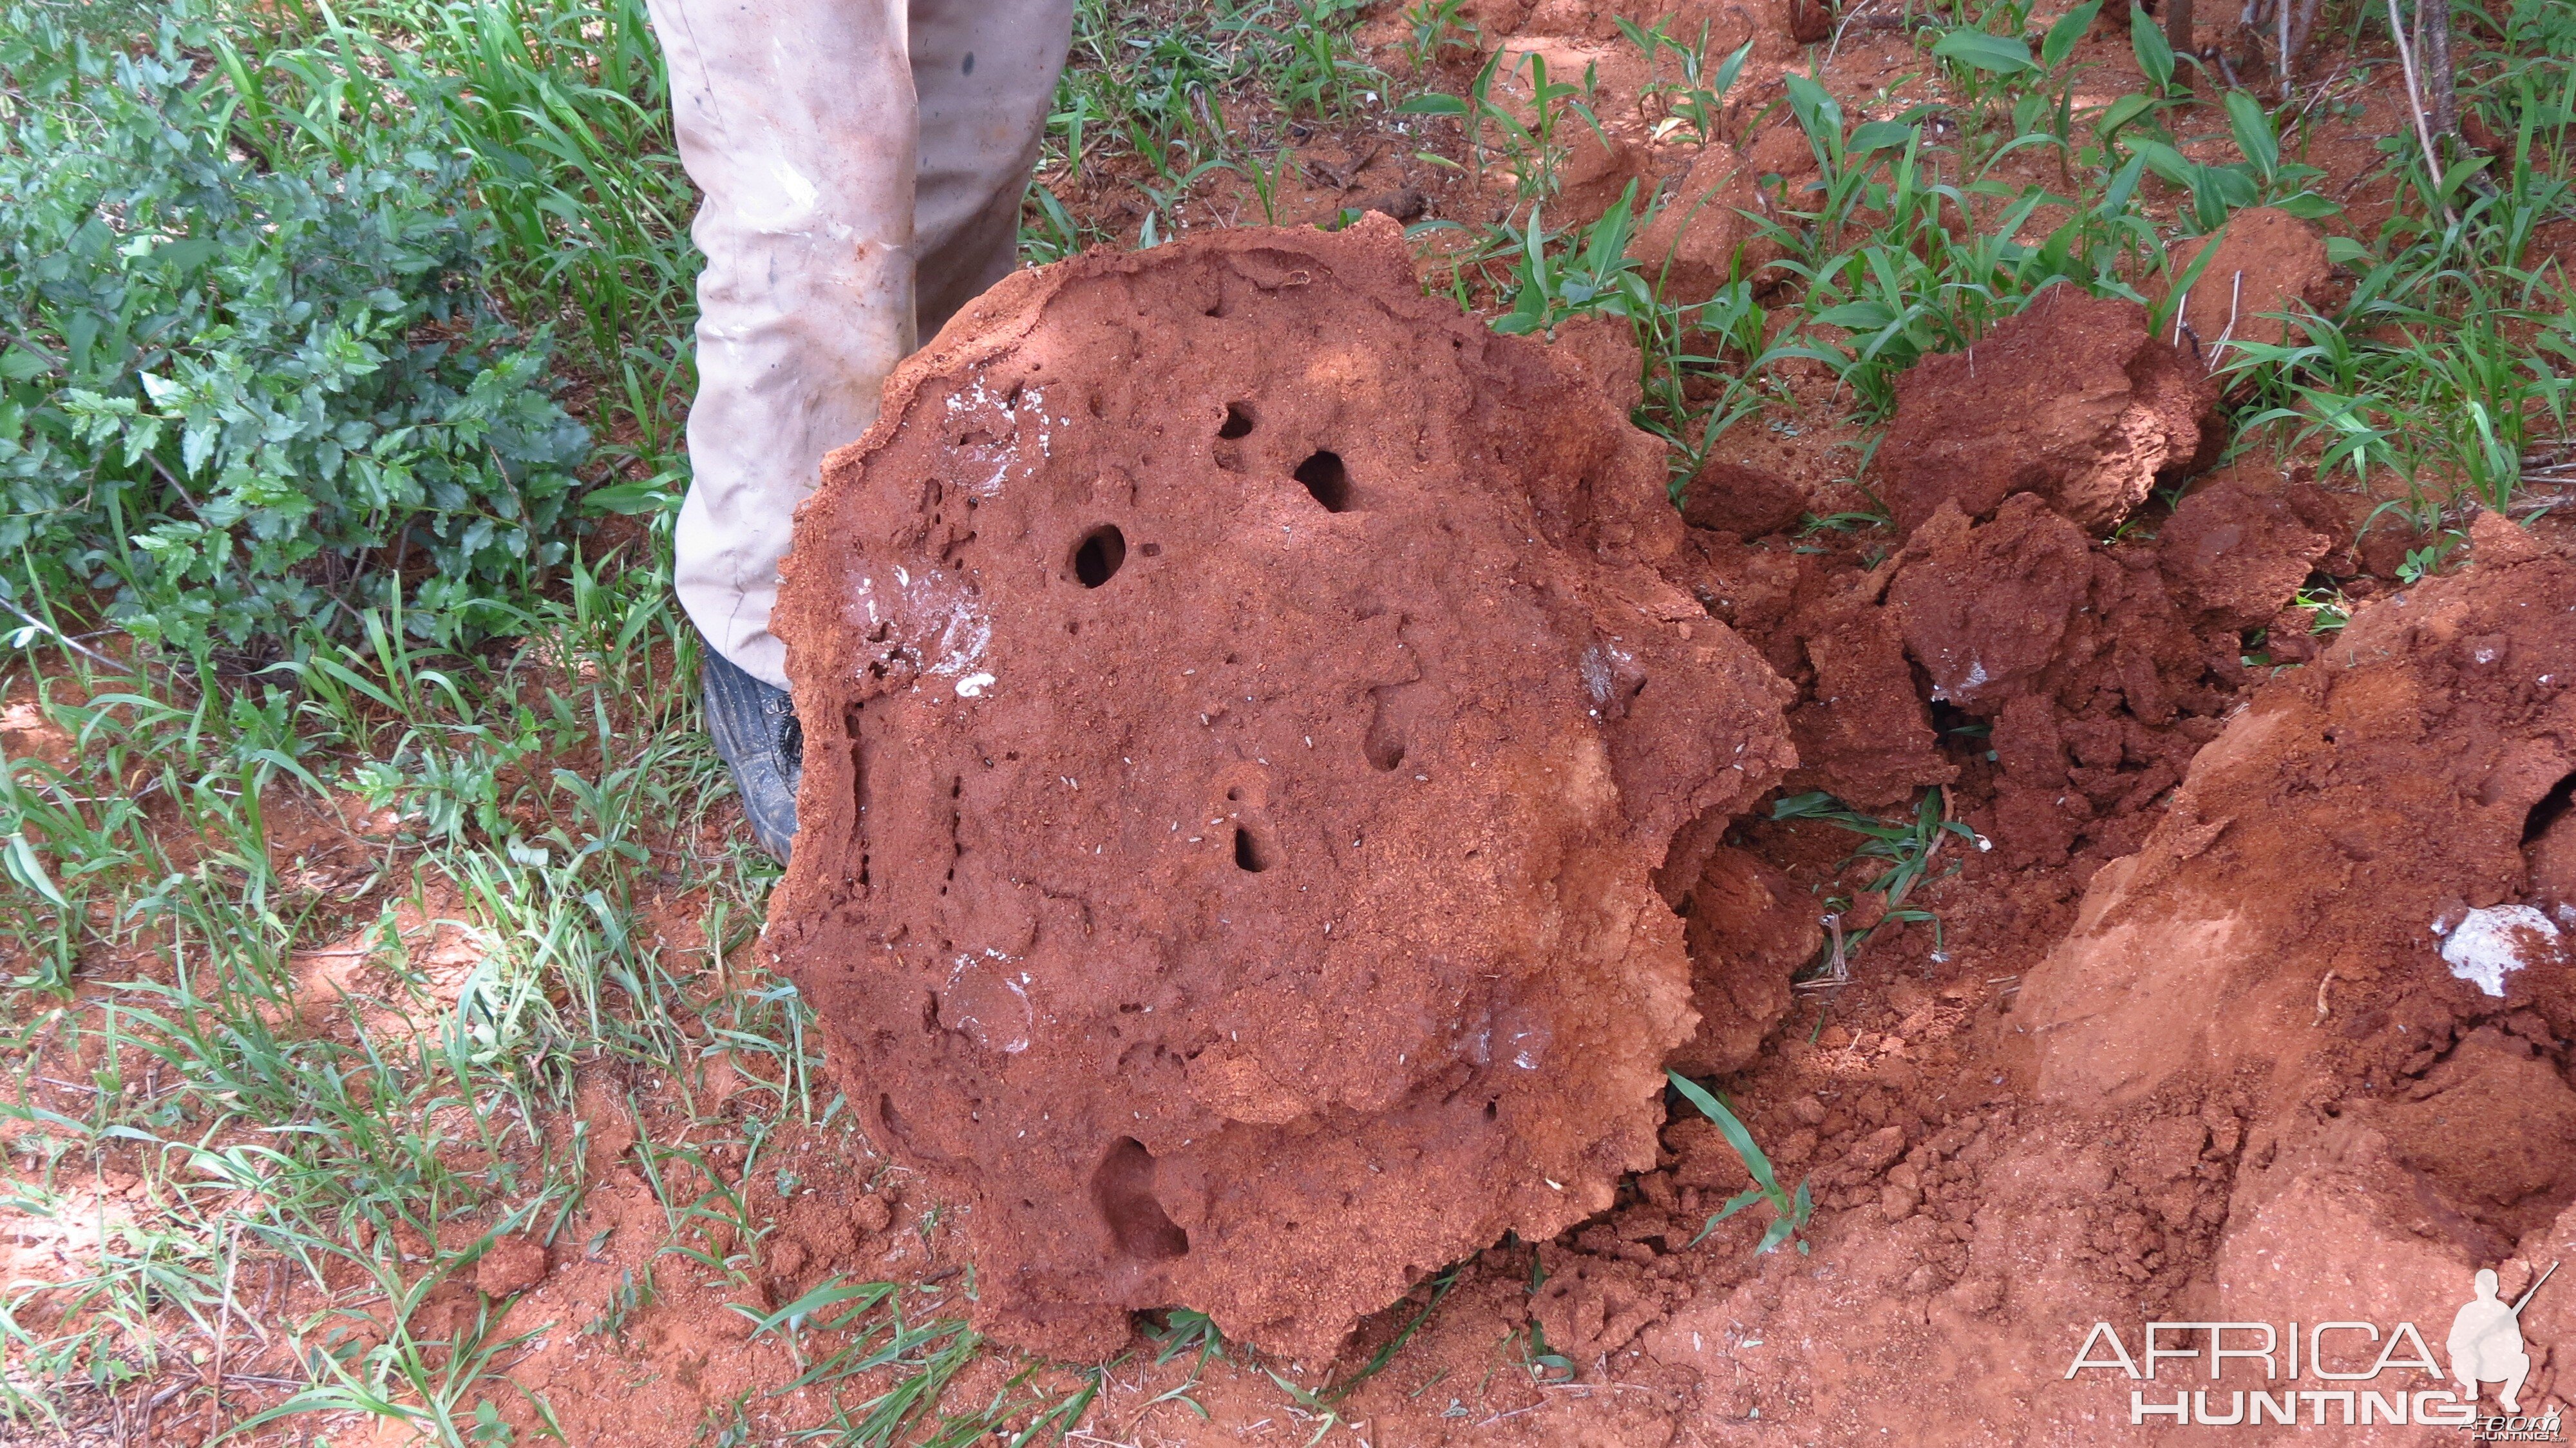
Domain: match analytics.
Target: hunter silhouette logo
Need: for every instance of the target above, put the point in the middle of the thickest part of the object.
(2342, 1373)
(2486, 1342)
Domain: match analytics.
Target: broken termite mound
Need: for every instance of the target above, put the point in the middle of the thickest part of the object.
(1243, 726)
(2353, 911)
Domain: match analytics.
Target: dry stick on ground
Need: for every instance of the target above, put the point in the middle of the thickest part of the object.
(2415, 105)
(2235, 296)
(66, 640)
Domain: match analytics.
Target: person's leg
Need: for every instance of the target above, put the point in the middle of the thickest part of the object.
(985, 73)
(795, 119)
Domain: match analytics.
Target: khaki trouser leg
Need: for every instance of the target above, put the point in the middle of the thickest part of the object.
(798, 121)
(985, 73)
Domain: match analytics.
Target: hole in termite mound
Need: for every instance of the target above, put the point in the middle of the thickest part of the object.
(1122, 1191)
(1327, 480)
(1238, 421)
(2548, 810)
(1251, 855)
(1098, 557)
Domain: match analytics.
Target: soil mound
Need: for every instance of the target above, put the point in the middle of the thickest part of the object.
(2070, 400)
(2340, 906)
(2269, 266)
(1749, 929)
(1243, 720)
(1705, 235)
(1748, 502)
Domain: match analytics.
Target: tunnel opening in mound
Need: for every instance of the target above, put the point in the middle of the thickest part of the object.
(1327, 481)
(1097, 559)
(1122, 1190)
(2548, 810)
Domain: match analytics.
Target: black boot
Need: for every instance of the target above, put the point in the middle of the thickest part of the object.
(756, 734)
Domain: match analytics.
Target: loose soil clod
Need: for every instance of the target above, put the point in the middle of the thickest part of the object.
(2270, 267)
(2071, 400)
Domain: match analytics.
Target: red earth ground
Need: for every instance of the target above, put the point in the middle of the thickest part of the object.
(2168, 1035)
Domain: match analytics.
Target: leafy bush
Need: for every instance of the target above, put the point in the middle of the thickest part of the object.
(241, 382)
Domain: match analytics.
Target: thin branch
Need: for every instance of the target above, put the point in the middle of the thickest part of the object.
(66, 640)
(2415, 105)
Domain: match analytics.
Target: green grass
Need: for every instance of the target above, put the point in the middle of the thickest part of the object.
(1790, 1209)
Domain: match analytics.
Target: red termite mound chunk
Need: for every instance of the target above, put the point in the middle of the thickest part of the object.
(2070, 400)
(2233, 554)
(1242, 719)
(1749, 930)
(1747, 502)
(1986, 609)
(2270, 268)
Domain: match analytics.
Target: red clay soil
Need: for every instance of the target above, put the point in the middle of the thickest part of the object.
(1242, 721)
(1708, 232)
(1729, 497)
(2070, 400)
(2270, 267)
(2250, 1074)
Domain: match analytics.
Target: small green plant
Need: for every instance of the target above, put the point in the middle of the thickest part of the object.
(2425, 562)
(1312, 67)
(1789, 1210)
(1434, 28)
(2263, 178)
(1908, 846)
(1597, 279)
(2328, 609)
(1697, 98)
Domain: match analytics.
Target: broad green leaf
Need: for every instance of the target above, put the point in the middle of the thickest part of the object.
(2003, 55)
(2155, 55)
(1817, 112)
(2167, 162)
(28, 870)
(1879, 136)
(2120, 112)
(2060, 41)
(2253, 128)
(2460, 171)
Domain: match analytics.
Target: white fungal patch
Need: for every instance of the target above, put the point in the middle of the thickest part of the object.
(977, 408)
(973, 686)
(2490, 944)
(989, 1001)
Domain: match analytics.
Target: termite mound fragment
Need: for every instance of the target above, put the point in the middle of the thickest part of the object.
(1243, 721)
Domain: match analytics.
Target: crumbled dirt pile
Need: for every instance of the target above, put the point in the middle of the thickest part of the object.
(2092, 668)
(1707, 234)
(2070, 400)
(2098, 669)
(2342, 900)
(2263, 1079)
(1243, 723)
(1749, 930)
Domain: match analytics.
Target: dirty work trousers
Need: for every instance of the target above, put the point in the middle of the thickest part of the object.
(862, 164)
